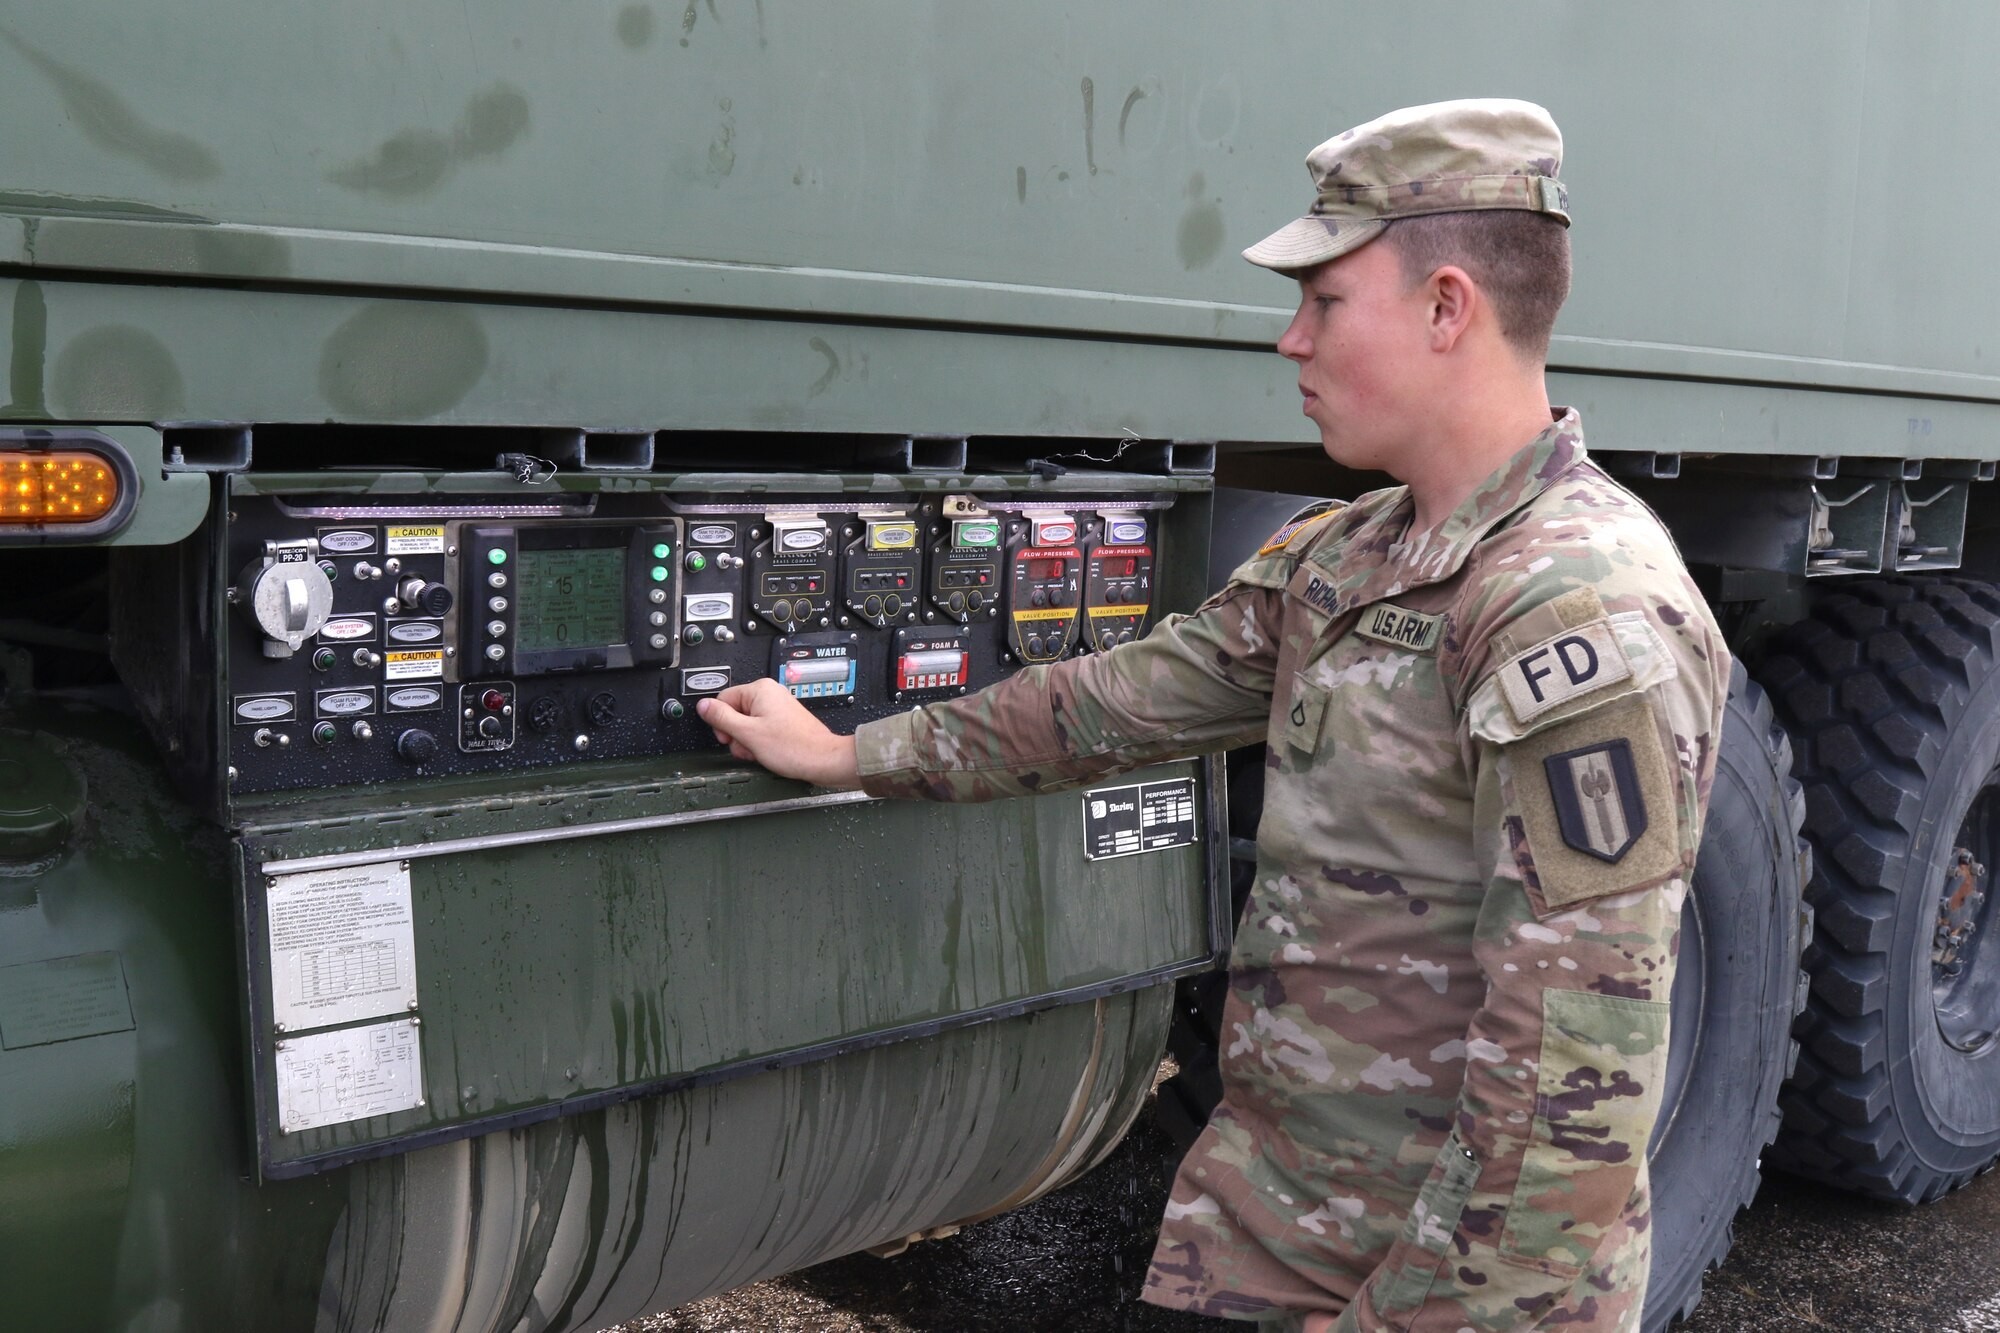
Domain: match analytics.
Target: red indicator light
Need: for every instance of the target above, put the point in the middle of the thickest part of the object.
(493, 701)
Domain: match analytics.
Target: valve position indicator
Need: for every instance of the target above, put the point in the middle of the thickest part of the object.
(1045, 591)
(1118, 592)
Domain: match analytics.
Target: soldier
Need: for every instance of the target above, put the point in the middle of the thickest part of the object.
(1491, 697)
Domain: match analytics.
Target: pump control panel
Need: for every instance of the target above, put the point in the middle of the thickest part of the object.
(374, 643)
(1044, 586)
(1118, 582)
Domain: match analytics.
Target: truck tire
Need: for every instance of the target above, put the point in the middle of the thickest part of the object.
(1892, 691)
(1736, 994)
(1737, 991)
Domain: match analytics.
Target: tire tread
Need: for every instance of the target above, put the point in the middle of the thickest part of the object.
(1869, 721)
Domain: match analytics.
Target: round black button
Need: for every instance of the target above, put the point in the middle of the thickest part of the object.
(416, 746)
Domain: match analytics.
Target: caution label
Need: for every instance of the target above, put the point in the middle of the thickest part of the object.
(423, 664)
(424, 540)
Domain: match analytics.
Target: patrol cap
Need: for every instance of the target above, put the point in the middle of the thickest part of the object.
(1446, 157)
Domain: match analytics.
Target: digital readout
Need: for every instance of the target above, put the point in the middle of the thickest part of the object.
(570, 599)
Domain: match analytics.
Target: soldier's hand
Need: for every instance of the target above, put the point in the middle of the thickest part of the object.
(762, 721)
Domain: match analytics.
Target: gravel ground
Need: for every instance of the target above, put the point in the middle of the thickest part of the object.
(1807, 1260)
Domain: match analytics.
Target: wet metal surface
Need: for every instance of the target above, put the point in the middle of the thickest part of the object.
(1807, 1259)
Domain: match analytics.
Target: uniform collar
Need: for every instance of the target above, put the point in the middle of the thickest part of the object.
(1374, 562)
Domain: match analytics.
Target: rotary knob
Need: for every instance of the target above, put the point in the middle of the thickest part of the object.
(416, 746)
(432, 599)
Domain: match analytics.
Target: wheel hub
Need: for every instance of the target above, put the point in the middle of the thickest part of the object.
(1965, 977)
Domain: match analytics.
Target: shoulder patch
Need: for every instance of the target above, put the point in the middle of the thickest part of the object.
(1600, 805)
(1400, 628)
(1298, 522)
(1561, 667)
(1597, 798)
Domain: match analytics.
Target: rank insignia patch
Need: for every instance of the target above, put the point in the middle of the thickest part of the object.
(1598, 803)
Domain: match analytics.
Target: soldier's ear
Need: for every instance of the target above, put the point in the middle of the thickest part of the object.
(1450, 297)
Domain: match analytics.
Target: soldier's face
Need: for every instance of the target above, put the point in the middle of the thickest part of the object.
(1360, 341)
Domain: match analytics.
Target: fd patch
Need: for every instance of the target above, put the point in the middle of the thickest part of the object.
(1599, 805)
(1558, 669)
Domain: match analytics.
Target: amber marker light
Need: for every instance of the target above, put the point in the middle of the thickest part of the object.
(56, 486)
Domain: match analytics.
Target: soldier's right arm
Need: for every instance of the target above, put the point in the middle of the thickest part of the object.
(1196, 684)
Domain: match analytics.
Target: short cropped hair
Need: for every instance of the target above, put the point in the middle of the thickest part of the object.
(1519, 259)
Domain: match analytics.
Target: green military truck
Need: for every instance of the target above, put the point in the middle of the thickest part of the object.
(413, 409)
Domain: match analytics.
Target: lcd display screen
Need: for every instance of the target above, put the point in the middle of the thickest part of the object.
(570, 599)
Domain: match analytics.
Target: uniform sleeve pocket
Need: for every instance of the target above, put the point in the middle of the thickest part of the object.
(1304, 715)
(1428, 1230)
(1603, 1059)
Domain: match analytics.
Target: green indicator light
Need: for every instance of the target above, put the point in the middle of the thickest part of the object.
(659, 573)
(697, 562)
(496, 556)
(661, 551)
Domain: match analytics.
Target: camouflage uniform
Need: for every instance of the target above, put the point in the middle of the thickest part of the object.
(1443, 1047)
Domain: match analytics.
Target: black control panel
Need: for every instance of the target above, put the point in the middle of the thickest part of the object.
(377, 643)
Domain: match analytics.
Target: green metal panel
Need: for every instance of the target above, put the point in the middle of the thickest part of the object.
(1041, 166)
(552, 973)
(126, 1165)
(268, 358)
